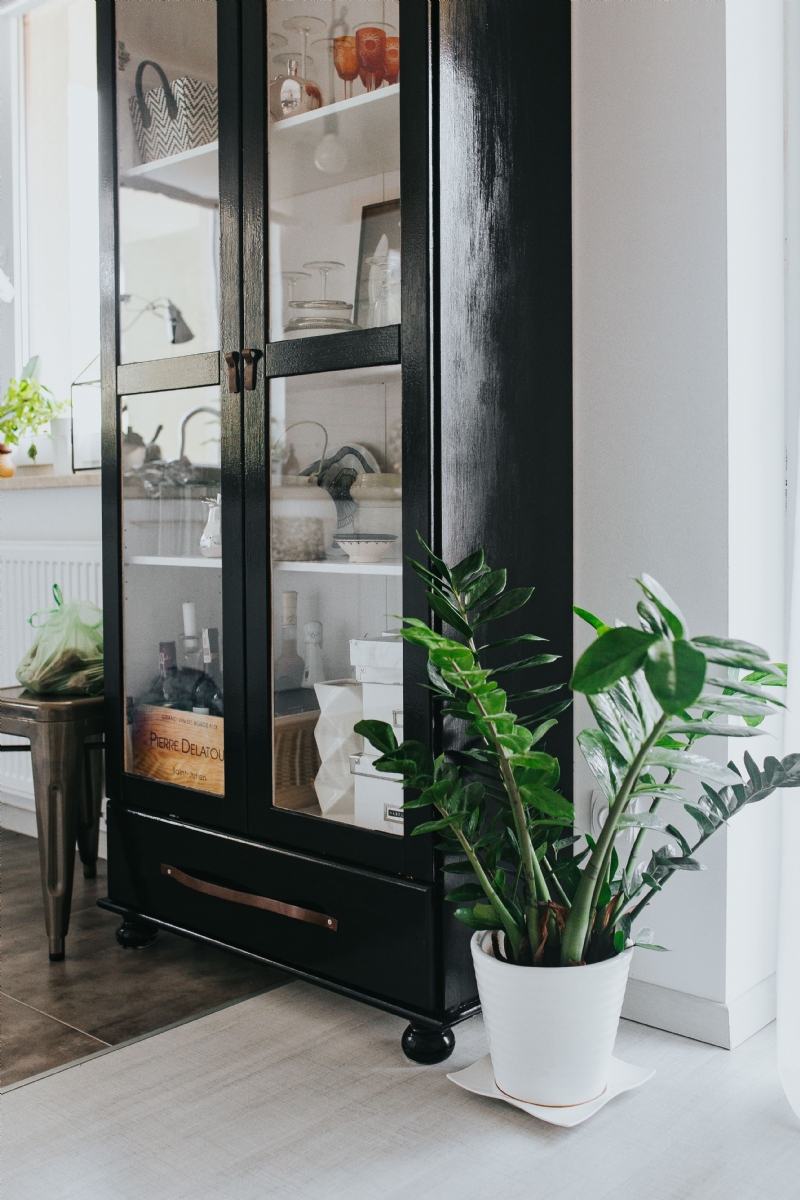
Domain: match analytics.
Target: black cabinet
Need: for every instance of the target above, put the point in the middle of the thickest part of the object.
(336, 312)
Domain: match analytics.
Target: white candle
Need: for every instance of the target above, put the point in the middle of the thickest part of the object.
(189, 619)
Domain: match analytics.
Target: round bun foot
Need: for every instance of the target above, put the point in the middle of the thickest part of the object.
(135, 935)
(424, 1045)
(90, 870)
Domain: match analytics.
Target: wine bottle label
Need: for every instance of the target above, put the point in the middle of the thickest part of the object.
(167, 657)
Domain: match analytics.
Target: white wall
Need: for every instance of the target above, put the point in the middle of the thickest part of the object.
(678, 193)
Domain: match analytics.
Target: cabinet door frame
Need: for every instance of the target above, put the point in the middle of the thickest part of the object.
(410, 345)
(195, 370)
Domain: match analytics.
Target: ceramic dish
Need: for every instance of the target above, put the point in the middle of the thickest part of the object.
(622, 1077)
(366, 547)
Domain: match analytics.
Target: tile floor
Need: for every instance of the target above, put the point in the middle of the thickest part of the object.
(101, 995)
(302, 1095)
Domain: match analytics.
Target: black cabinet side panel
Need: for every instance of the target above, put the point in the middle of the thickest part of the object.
(505, 309)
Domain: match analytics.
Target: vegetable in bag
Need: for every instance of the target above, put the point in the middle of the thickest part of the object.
(67, 654)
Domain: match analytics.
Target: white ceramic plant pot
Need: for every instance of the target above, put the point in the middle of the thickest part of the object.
(551, 1030)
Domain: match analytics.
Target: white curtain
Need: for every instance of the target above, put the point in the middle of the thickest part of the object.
(789, 932)
(789, 937)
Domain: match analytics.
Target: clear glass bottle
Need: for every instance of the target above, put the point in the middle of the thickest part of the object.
(289, 667)
(207, 694)
(191, 643)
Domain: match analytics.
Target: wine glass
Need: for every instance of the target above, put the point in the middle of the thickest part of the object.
(391, 60)
(304, 25)
(370, 49)
(292, 279)
(287, 57)
(345, 59)
(324, 268)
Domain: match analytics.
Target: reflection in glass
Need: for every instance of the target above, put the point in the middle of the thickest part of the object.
(172, 594)
(336, 589)
(332, 166)
(168, 177)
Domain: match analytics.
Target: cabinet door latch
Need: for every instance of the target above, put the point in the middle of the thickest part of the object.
(232, 359)
(251, 358)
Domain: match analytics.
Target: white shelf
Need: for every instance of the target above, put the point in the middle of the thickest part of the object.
(369, 127)
(342, 567)
(195, 171)
(161, 560)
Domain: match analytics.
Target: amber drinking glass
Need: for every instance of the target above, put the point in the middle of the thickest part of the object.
(391, 60)
(370, 49)
(345, 59)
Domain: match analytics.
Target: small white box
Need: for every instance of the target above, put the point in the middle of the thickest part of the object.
(384, 702)
(377, 660)
(378, 796)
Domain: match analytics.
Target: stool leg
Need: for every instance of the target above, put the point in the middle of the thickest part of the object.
(57, 761)
(91, 803)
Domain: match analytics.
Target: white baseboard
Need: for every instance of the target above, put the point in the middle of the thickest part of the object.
(726, 1025)
(21, 818)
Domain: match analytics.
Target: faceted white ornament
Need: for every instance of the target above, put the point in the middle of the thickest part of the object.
(341, 708)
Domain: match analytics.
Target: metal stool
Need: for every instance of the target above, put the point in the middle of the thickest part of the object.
(65, 737)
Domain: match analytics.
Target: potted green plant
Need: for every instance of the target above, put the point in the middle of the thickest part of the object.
(26, 408)
(535, 902)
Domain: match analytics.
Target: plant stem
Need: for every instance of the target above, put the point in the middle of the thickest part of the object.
(535, 881)
(512, 930)
(577, 925)
(554, 881)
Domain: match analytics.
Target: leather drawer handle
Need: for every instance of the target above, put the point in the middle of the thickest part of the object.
(276, 906)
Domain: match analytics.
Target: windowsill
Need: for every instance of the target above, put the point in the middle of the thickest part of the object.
(44, 477)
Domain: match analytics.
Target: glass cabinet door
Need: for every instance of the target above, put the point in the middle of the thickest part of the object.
(334, 166)
(170, 436)
(172, 593)
(336, 591)
(168, 175)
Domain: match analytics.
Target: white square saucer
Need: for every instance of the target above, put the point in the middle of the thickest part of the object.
(622, 1077)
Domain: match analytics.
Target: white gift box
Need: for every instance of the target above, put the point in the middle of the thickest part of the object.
(378, 796)
(384, 702)
(377, 660)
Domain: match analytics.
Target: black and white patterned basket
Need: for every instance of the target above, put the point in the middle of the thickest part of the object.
(172, 118)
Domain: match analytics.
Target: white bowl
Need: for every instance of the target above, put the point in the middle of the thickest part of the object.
(366, 547)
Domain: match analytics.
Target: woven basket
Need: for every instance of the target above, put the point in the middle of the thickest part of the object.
(172, 118)
(296, 760)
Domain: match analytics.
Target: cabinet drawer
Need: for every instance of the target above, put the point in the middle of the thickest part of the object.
(369, 931)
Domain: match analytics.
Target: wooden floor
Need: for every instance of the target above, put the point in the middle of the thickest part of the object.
(101, 995)
(302, 1095)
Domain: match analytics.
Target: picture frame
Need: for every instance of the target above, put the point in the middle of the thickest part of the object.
(376, 220)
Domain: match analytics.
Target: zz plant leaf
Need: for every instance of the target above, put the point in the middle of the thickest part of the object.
(495, 799)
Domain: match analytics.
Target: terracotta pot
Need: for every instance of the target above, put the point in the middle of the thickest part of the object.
(551, 1030)
(6, 465)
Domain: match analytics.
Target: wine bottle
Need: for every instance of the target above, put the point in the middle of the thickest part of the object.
(207, 695)
(289, 667)
(314, 671)
(164, 691)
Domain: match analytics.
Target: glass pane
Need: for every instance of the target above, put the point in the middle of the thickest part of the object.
(168, 177)
(336, 591)
(172, 594)
(334, 166)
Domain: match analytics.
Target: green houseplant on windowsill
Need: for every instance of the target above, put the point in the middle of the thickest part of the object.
(25, 409)
(535, 904)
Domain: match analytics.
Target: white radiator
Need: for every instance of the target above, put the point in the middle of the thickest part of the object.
(28, 571)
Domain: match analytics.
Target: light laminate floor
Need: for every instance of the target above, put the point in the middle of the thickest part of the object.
(302, 1095)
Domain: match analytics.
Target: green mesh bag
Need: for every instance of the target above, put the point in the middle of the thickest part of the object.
(66, 657)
